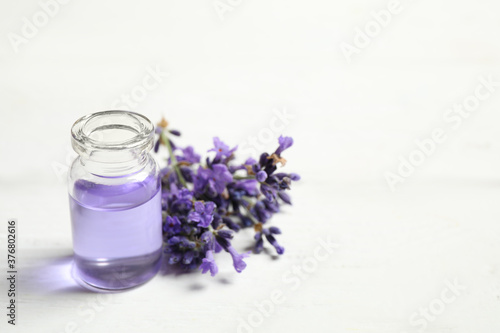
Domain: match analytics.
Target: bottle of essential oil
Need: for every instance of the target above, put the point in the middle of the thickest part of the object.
(115, 201)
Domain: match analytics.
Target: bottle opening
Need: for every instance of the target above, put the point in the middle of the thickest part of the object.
(112, 130)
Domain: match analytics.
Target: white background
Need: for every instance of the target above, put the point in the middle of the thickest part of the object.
(397, 250)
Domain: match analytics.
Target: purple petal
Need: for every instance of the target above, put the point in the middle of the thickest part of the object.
(285, 142)
(261, 176)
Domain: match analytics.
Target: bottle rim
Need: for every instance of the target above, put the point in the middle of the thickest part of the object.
(112, 130)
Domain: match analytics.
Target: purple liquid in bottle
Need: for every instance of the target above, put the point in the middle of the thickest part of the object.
(117, 236)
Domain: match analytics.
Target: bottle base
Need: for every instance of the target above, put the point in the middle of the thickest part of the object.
(107, 275)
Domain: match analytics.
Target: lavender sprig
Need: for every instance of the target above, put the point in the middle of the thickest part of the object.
(204, 205)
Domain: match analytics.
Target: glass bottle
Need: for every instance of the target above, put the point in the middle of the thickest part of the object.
(115, 201)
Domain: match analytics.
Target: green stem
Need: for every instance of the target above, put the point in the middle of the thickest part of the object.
(243, 177)
(166, 142)
(248, 199)
(250, 215)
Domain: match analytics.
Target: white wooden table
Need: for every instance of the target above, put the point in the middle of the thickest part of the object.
(424, 258)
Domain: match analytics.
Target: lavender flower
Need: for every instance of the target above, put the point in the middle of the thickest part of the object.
(205, 204)
(188, 156)
(221, 149)
(285, 197)
(248, 186)
(172, 225)
(216, 178)
(259, 244)
(269, 235)
(208, 264)
(238, 263)
(261, 176)
(203, 213)
(285, 143)
(279, 249)
(250, 161)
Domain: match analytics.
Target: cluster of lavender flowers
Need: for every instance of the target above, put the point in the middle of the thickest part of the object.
(204, 204)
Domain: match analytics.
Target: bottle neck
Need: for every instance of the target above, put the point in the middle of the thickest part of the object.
(112, 164)
(113, 143)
